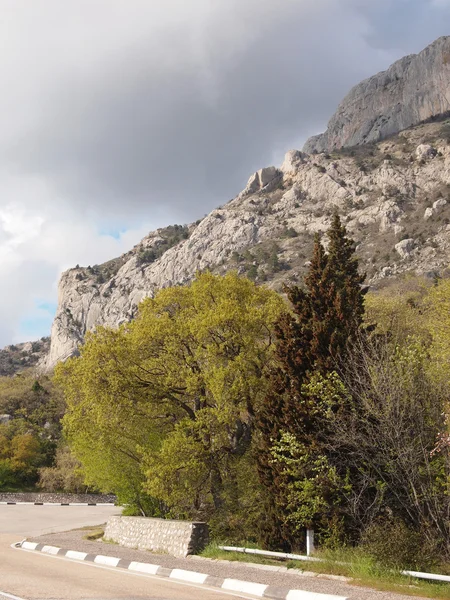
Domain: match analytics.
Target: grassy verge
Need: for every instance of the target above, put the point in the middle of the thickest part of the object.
(212, 551)
(361, 568)
(93, 532)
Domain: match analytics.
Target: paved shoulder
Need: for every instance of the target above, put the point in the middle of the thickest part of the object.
(271, 576)
(233, 585)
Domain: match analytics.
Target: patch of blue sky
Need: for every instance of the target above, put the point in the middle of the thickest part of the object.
(113, 231)
(34, 328)
(49, 307)
(37, 323)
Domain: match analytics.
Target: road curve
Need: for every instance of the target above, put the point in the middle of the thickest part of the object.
(36, 576)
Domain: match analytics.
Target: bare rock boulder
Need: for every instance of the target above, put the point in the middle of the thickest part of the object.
(425, 152)
(260, 180)
(292, 160)
(439, 205)
(405, 248)
(429, 212)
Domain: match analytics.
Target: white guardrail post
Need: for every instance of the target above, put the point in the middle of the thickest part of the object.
(309, 542)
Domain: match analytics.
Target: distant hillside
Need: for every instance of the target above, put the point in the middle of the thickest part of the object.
(18, 357)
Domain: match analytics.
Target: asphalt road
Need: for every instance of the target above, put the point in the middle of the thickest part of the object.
(33, 576)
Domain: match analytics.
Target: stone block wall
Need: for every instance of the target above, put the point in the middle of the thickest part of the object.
(56, 497)
(178, 538)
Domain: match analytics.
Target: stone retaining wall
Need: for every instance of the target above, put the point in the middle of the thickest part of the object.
(57, 498)
(178, 538)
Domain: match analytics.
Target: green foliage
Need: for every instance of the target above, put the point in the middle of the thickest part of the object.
(28, 441)
(392, 544)
(385, 436)
(34, 403)
(252, 272)
(165, 405)
(64, 476)
(400, 309)
(21, 455)
(171, 236)
(327, 316)
(289, 232)
(313, 484)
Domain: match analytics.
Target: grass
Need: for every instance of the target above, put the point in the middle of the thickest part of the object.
(95, 535)
(350, 563)
(366, 572)
(213, 551)
(94, 532)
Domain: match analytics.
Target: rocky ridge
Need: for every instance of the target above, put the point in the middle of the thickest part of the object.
(412, 90)
(18, 357)
(394, 198)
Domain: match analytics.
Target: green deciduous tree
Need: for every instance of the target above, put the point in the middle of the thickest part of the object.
(64, 475)
(21, 455)
(168, 401)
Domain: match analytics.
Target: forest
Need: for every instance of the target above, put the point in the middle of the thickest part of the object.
(323, 407)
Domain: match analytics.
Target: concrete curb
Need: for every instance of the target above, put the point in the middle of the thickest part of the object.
(231, 585)
(62, 503)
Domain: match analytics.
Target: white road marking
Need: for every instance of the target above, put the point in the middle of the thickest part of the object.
(188, 576)
(143, 567)
(10, 596)
(29, 545)
(137, 574)
(246, 587)
(109, 561)
(76, 555)
(301, 595)
(50, 549)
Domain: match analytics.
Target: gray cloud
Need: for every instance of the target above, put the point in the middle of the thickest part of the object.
(140, 113)
(177, 122)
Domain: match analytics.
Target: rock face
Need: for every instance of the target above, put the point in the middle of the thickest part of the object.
(267, 231)
(17, 357)
(405, 247)
(412, 90)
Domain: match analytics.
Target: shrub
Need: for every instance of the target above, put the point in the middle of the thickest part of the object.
(289, 232)
(393, 544)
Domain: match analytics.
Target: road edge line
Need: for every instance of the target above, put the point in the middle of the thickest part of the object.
(256, 589)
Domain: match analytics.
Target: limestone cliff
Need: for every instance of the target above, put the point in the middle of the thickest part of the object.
(412, 90)
(394, 197)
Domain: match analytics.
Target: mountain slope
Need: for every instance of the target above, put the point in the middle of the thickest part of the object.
(412, 90)
(394, 198)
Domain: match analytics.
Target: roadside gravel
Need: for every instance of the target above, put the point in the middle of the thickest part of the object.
(275, 576)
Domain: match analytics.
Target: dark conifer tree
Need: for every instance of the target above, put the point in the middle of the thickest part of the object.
(326, 316)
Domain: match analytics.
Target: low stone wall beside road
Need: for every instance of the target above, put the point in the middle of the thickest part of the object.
(57, 498)
(178, 538)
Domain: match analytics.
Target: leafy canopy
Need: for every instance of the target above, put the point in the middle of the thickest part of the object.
(165, 402)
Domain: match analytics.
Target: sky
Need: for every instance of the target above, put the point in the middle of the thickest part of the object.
(121, 116)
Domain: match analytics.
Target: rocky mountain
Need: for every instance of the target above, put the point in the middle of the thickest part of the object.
(18, 357)
(412, 90)
(394, 197)
(383, 164)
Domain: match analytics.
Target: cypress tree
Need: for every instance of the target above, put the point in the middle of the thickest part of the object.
(325, 318)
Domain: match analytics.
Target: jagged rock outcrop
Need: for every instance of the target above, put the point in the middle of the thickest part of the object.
(18, 357)
(412, 90)
(405, 247)
(267, 231)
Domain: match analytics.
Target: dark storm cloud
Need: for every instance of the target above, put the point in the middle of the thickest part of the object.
(176, 127)
(171, 127)
(125, 115)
